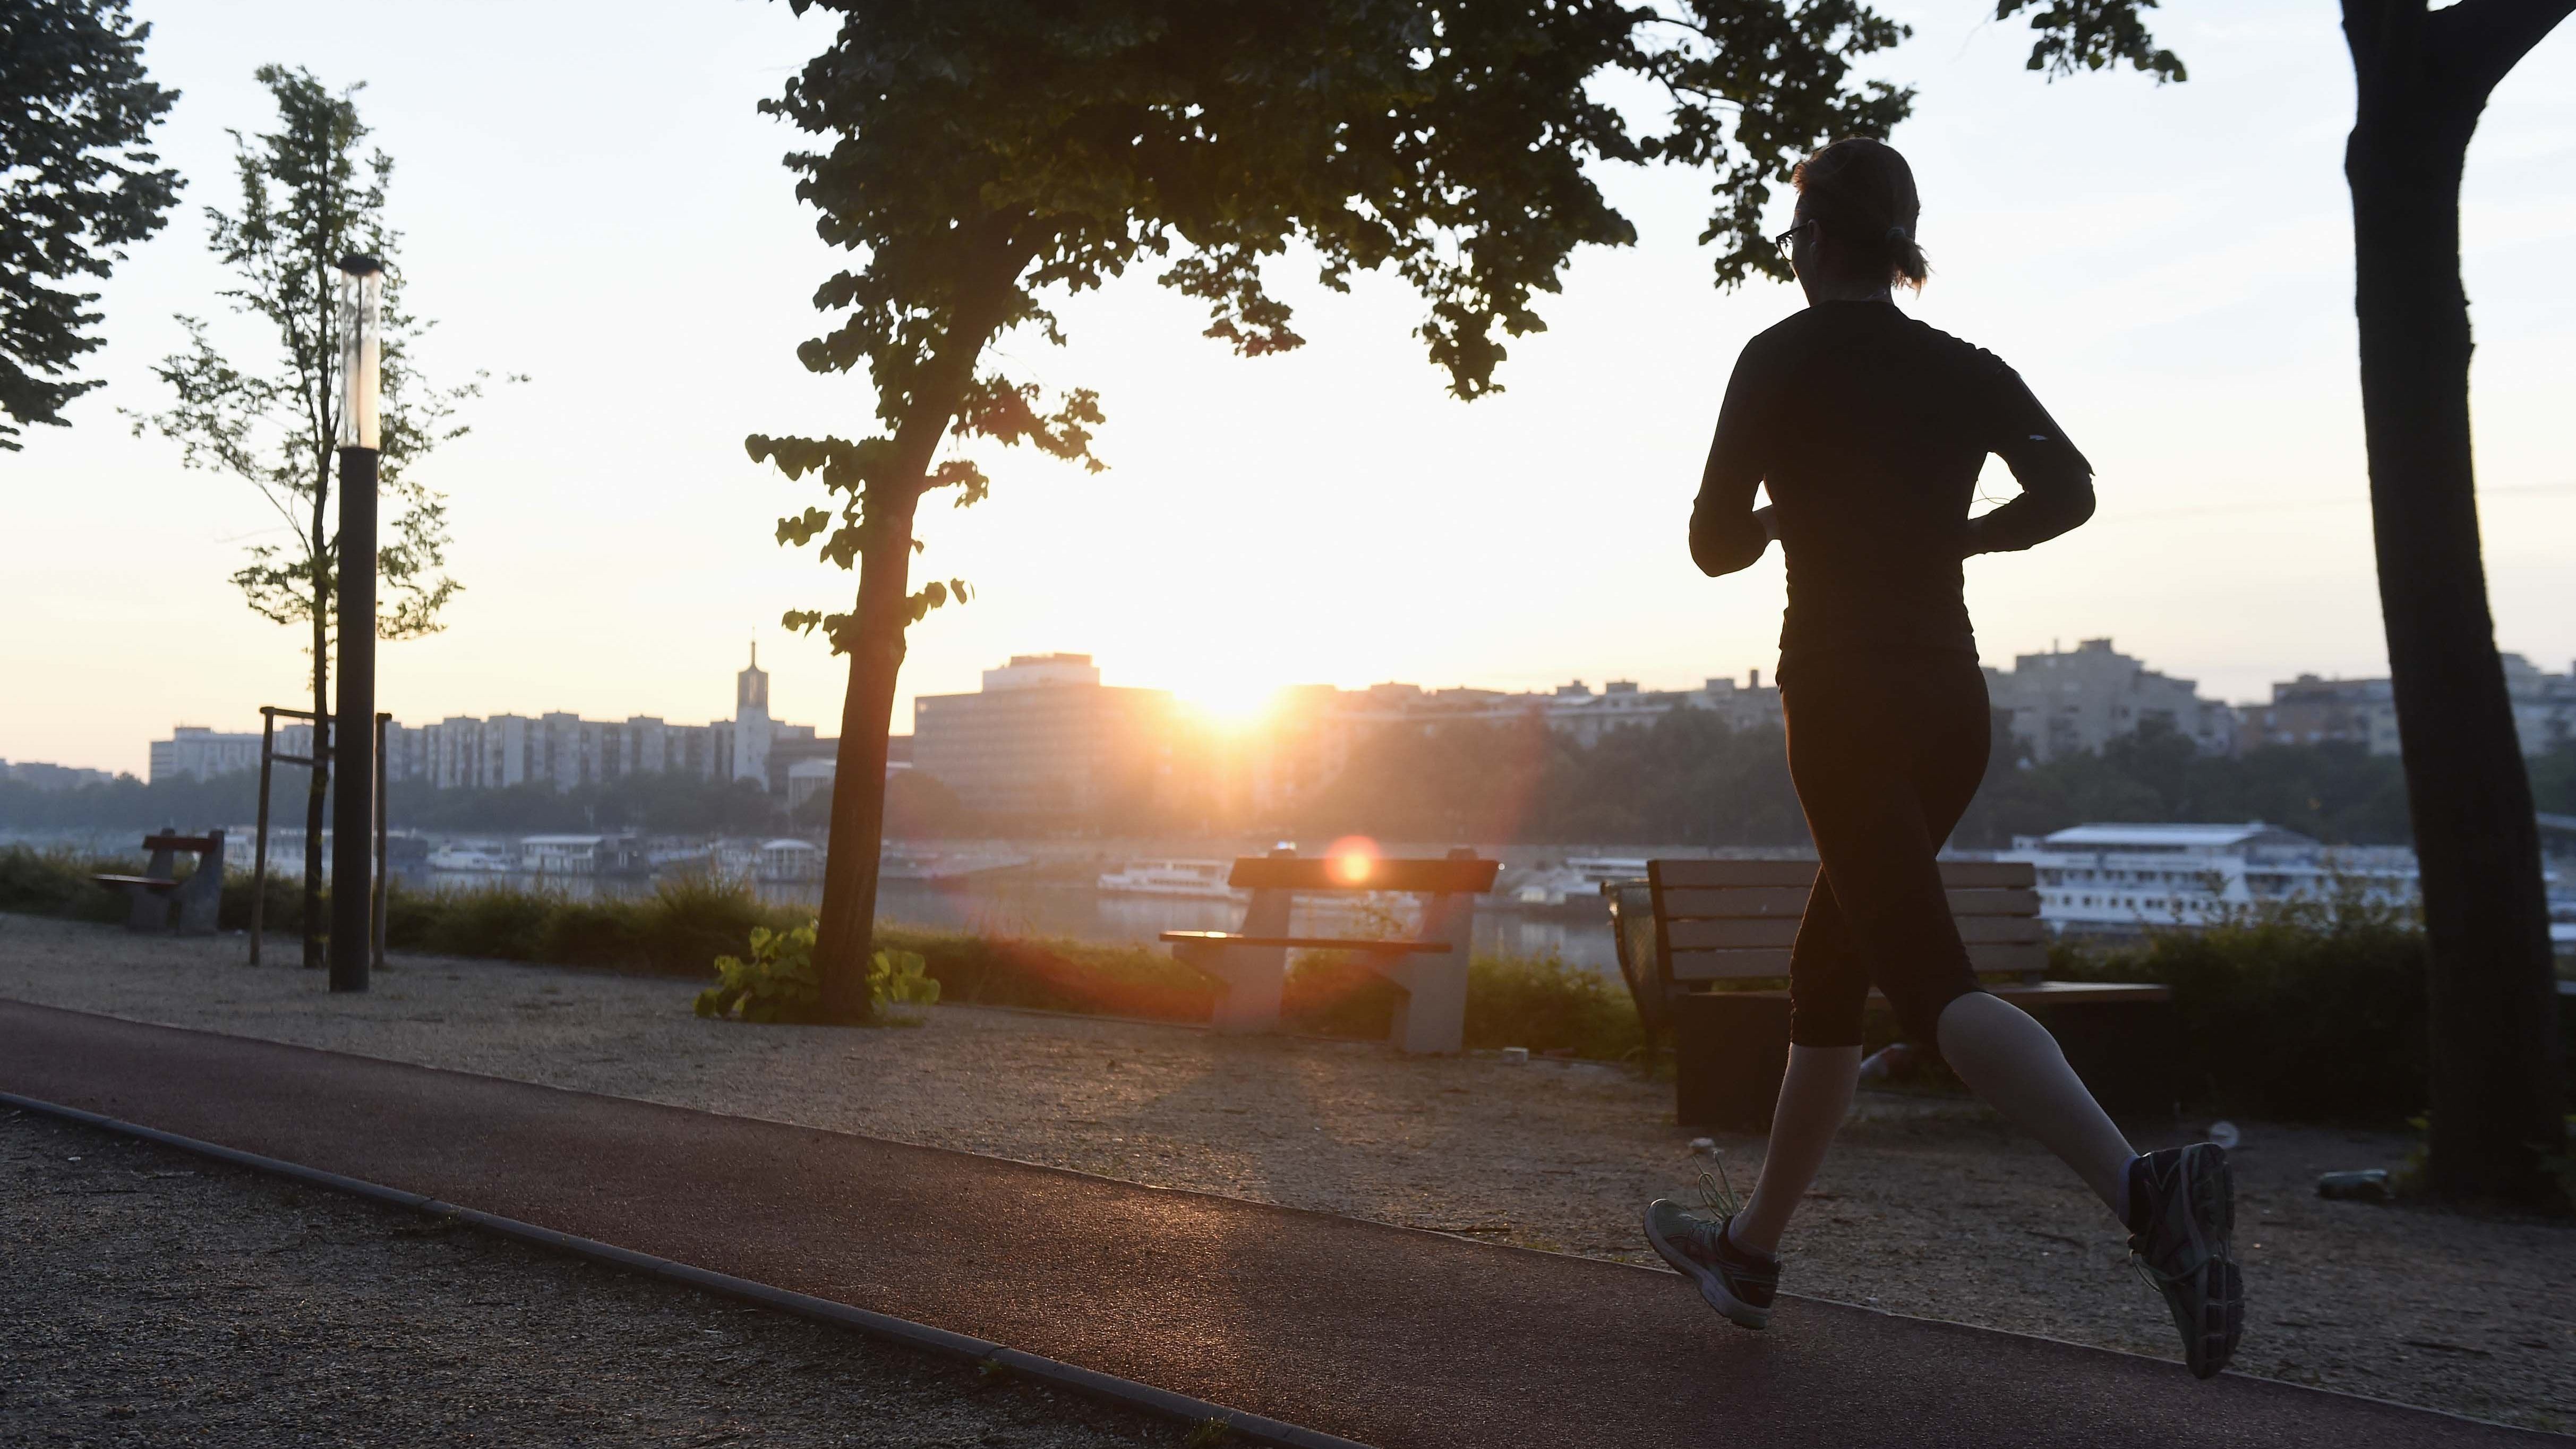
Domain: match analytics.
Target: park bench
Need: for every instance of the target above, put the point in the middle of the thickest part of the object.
(1704, 946)
(158, 894)
(1251, 965)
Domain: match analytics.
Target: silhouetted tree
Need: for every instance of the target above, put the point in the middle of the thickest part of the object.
(2424, 75)
(2498, 1097)
(305, 204)
(77, 187)
(985, 152)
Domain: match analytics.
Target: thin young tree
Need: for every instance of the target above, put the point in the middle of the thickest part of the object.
(2424, 75)
(984, 154)
(78, 185)
(308, 197)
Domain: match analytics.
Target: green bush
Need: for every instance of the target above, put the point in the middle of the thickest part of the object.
(1545, 1005)
(779, 983)
(1056, 975)
(2305, 1012)
(57, 883)
(1535, 1002)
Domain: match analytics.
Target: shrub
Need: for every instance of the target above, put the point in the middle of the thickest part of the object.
(779, 983)
(1544, 1004)
(1536, 1002)
(57, 883)
(2308, 1011)
(1056, 975)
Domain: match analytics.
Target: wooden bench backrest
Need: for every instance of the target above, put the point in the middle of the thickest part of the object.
(1429, 877)
(1735, 920)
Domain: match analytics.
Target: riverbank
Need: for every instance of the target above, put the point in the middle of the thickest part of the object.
(1929, 1207)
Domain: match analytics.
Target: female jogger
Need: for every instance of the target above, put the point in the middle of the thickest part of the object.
(1869, 430)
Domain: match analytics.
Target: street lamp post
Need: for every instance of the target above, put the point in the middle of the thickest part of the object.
(353, 734)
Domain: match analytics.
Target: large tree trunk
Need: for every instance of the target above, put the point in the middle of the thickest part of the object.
(846, 937)
(2496, 1088)
(846, 941)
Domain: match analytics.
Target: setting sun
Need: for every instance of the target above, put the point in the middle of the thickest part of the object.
(1236, 701)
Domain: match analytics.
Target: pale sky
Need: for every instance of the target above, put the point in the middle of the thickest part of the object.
(589, 198)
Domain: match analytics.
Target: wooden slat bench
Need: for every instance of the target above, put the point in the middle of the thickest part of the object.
(1704, 945)
(1251, 965)
(157, 895)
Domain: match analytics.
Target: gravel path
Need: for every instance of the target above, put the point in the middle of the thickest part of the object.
(152, 1297)
(1928, 1207)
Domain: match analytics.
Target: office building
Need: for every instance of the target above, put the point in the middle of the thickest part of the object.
(2309, 711)
(2078, 700)
(1045, 739)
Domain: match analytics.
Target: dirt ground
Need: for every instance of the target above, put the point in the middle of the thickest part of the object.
(1929, 1206)
(157, 1298)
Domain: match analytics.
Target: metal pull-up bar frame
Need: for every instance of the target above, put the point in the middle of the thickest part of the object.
(269, 757)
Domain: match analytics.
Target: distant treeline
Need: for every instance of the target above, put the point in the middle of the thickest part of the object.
(1687, 779)
(1690, 779)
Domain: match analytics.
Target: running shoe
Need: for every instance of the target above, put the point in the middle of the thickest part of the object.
(1738, 1282)
(2182, 1210)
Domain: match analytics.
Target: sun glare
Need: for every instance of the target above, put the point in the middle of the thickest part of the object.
(1353, 859)
(1235, 703)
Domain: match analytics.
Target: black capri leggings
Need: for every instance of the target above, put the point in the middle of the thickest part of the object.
(1886, 750)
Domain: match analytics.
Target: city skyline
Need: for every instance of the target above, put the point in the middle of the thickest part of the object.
(2053, 702)
(2179, 297)
(1595, 685)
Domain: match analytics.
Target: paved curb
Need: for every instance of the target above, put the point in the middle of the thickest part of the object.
(885, 1326)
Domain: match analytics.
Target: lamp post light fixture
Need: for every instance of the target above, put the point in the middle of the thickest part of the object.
(353, 737)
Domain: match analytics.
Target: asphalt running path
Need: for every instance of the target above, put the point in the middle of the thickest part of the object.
(1387, 1335)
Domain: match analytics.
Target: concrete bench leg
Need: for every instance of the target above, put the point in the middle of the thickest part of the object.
(1251, 981)
(1432, 1016)
(201, 900)
(1253, 978)
(146, 909)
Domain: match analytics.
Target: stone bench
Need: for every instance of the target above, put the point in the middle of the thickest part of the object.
(159, 900)
(1250, 965)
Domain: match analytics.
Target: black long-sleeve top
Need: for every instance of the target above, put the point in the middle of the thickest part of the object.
(1870, 428)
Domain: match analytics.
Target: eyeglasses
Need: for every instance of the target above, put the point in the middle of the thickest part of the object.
(1789, 239)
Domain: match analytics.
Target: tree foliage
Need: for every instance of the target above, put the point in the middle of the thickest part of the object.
(78, 185)
(2075, 35)
(307, 199)
(985, 157)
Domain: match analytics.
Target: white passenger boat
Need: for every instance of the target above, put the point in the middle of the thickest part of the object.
(1201, 880)
(479, 859)
(2120, 879)
(1574, 886)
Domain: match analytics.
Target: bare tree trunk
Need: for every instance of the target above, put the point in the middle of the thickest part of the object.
(2496, 1087)
(320, 775)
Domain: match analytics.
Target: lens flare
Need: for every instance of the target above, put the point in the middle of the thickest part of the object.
(1353, 859)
